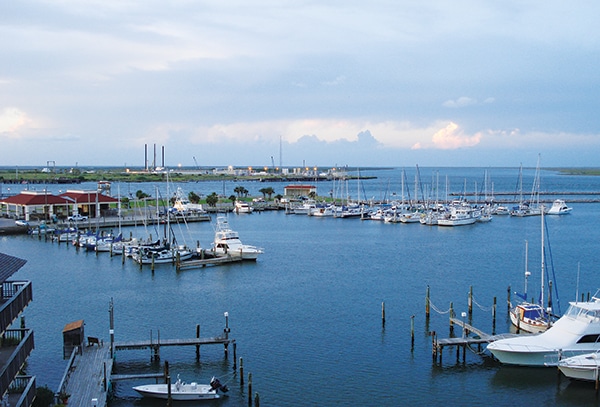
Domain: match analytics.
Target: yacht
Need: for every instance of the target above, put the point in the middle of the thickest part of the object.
(227, 242)
(559, 207)
(575, 333)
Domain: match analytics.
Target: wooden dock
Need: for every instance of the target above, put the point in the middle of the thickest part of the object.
(87, 376)
(464, 341)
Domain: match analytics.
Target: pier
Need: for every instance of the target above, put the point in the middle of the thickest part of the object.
(88, 375)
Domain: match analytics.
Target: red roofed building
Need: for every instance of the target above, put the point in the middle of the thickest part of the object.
(299, 190)
(35, 205)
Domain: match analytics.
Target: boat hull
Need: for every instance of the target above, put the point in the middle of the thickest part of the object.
(188, 392)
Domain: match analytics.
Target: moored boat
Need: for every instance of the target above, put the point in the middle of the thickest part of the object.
(227, 242)
(581, 367)
(575, 333)
(183, 391)
(559, 207)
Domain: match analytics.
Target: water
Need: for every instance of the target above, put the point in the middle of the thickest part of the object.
(307, 316)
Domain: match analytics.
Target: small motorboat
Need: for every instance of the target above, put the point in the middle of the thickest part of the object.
(183, 391)
(581, 367)
(559, 207)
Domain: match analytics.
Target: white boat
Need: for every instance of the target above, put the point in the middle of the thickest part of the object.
(559, 207)
(575, 333)
(581, 367)
(323, 211)
(460, 213)
(243, 207)
(528, 316)
(305, 208)
(162, 255)
(183, 391)
(227, 242)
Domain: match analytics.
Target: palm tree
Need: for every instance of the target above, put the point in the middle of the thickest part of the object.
(212, 199)
(267, 191)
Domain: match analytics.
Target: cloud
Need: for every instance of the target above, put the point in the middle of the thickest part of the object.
(11, 121)
(462, 101)
(451, 137)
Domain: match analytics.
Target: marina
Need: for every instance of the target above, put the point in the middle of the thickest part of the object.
(309, 309)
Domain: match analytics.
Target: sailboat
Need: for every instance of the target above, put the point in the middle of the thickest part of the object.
(529, 316)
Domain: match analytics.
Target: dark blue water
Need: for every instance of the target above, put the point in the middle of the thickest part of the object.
(307, 315)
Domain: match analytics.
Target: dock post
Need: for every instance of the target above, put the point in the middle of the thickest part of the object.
(226, 332)
(451, 313)
(549, 295)
(433, 347)
(508, 299)
(178, 261)
(241, 371)
(234, 356)
(427, 304)
(383, 314)
(256, 400)
(197, 346)
(494, 317)
(123, 255)
(111, 315)
(249, 389)
(152, 265)
(412, 332)
(470, 303)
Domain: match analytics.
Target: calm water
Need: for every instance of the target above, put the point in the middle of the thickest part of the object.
(307, 315)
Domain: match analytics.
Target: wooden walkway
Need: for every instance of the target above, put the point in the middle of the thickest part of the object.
(481, 337)
(87, 378)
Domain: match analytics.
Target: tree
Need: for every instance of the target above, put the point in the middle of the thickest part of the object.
(239, 190)
(139, 194)
(267, 191)
(312, 194)
(212, 199)
(232, 198)
(193, 197)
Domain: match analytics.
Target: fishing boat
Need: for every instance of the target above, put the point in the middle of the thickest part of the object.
(581, 367)
(460, 213)
(183, 391)
(577, 332)
(559, 207)
(227, 242)
(162, 255)
(243, 207)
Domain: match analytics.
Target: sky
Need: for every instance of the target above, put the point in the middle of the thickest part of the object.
(299, 83)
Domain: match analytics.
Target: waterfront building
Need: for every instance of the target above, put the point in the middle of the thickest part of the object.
(16, 388)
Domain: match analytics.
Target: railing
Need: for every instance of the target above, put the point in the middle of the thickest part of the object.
(17, 359)
(26, 386)
(16, 295)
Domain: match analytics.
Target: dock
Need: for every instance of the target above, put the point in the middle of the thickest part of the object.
(465, 341)
(87, 377)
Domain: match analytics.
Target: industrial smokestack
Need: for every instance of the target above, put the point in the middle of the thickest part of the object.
(163, 157)
(146, 157)
(154, 161)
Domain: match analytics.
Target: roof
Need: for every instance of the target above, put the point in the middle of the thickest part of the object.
(87, 197)
(9, 265)
(71, 326)
(34, 198)
(301, 186)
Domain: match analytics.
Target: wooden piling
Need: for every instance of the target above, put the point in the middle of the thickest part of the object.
(508, 299)
(451, 313)
(412, 332)
(494, 317)
(249, 389)
(383, 314)
(256, 400)
(470, 303)
(198, 346)
(234, 356)
(241, 371)
(427, 303)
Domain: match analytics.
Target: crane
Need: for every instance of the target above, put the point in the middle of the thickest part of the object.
(197, 166)
(273, 164)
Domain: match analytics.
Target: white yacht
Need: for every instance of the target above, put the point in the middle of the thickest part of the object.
(575, 333)
(227, 242)
(559, 207)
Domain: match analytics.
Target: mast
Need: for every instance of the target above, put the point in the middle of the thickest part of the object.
(543, 264)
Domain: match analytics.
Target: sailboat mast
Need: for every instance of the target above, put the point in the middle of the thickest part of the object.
(543, 264)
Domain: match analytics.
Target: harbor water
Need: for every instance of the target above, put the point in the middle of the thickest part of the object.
(307, 316)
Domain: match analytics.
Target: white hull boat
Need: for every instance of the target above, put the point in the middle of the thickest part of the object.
(183, 391)
(227, 242)
(582, 367)
(559, 207)
(575, 333)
